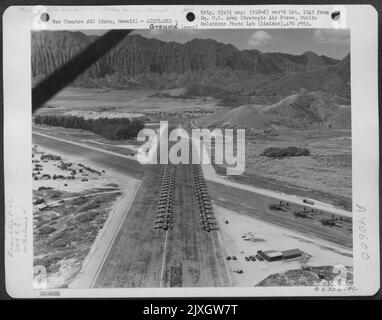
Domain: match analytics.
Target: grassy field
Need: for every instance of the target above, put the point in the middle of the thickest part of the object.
(325, 175)
(142, 101)
(90, 98)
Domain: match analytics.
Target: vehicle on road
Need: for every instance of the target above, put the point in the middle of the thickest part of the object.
(307, 201)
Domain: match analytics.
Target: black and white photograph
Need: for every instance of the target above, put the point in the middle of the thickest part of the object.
(103, 219)
(191, 151)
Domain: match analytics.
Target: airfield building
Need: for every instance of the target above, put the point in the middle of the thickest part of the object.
(272, 255)
(291, 254)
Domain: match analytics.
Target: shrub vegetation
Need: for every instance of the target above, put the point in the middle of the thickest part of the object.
(275, 152)
(113, 128)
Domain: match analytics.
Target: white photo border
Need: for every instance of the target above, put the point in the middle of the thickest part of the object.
(18, 21)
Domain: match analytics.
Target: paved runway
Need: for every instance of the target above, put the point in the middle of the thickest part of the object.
(184, 256)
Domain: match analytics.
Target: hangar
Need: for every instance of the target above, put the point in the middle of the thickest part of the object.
(291, 254)
(272, 255)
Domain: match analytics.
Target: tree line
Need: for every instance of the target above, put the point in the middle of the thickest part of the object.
(274, 152)
(109, 128)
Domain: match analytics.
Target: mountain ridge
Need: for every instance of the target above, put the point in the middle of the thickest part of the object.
(141, 62)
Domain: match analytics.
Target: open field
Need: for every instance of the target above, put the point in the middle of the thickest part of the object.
(327, 172)
(91, 99)
(140, 101)
(111, 103)
(102, 114)
(325, 175)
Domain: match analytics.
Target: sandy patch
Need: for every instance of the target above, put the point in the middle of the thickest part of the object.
(69, 265)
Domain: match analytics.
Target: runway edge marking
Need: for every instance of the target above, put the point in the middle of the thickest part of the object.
(163, 261)
(115, 236)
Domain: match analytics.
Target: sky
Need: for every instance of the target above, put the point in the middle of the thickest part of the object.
(329, 42)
